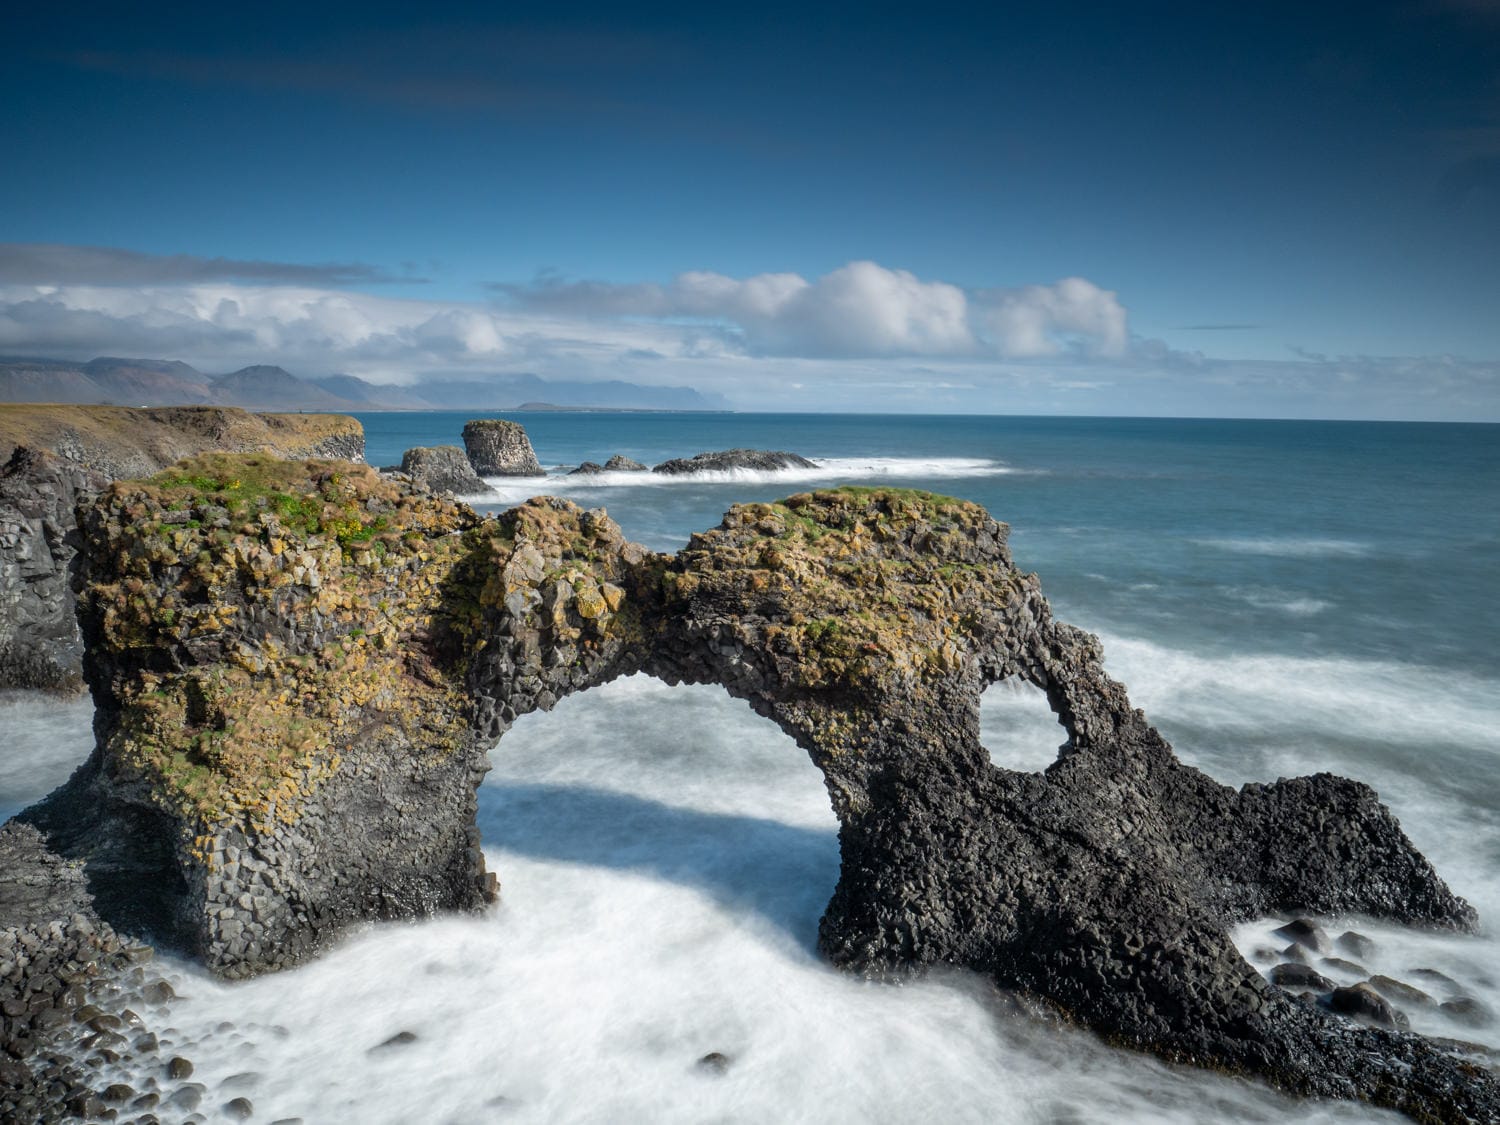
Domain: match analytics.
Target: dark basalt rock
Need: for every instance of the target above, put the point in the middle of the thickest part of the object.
(1300, 976)
(1307, 934)
(40, 646)
(587, 469)
(1364, 1002)
(619, 463)
(500, 448)
(760, 460)
(865, 623)
(1351, 941)
(1399, 991)
(443, 468)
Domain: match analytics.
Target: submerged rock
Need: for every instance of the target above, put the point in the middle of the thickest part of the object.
(1400, 991)
(1307, 934)
(1356, 943)
(342, 656)
(1300, 976)
(760, 460)
(500, 448)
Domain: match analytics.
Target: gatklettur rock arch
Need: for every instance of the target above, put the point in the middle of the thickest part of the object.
(299, 668)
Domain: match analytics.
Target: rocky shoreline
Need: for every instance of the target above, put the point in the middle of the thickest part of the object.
(299, 669)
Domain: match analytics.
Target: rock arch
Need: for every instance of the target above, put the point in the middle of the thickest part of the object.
(299, 669)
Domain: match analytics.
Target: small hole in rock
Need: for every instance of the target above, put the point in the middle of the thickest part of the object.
(1017, 726)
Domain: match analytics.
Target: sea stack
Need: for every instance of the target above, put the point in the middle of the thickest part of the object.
(443, 468)
(498, 448)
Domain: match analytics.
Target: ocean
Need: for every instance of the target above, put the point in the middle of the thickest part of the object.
(1281, 598)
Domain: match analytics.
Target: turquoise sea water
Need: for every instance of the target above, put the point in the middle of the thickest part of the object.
(1280, 597)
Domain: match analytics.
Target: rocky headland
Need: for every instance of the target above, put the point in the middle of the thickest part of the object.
(299, 669)
(51, 457)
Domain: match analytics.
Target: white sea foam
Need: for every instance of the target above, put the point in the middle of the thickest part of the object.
(665, 855)
(1295, 548)
(1381, 701)
(1017, 726)
(1280, 600)
(829, 471)
(46, 738)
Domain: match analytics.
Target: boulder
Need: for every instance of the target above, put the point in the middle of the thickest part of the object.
(621, 464)
(500, 448)
(443, 468)
(1293, 976)
(587, 469)
(759, 460)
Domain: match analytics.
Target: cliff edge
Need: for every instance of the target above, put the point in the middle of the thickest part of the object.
(51, 457)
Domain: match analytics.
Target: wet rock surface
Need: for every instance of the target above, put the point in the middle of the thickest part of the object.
(340, 655)
(69, 985)
(619, 463)
(500, 448)
(724, 460)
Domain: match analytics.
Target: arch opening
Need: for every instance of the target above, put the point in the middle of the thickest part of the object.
(1018, 726)
(682, 785)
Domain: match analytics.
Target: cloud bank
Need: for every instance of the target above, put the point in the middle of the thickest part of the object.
(46, 263)
(862, 337)
(862, 309)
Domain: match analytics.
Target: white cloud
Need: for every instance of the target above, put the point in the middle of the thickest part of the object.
(1044, 320)
(863, 337)
(859, 310)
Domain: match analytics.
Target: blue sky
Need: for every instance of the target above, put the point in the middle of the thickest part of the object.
(1276, 209)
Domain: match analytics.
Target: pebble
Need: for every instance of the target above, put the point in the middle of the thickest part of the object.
(179, 1067)
(715, 1062)
(400, 1039)
(238, 1108)
(187, 1096)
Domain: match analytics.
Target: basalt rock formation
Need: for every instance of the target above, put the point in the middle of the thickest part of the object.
(53, 456)
(39, 642)
(299, 669)
(498, 448)
(725, 460)
(443, 468)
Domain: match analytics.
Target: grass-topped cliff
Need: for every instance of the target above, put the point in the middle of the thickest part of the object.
(122, 441)
(257, 612)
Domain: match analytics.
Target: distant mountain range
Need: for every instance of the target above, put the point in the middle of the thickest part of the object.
(167, 382)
